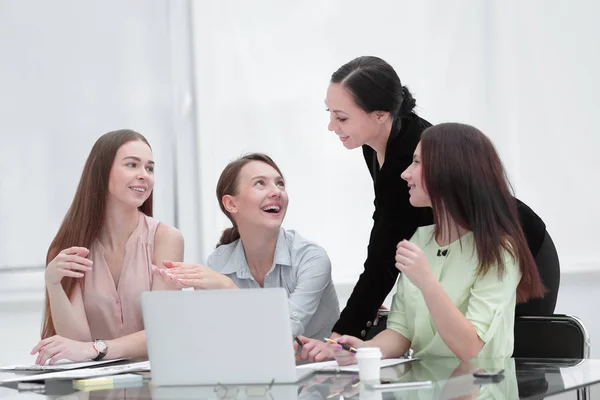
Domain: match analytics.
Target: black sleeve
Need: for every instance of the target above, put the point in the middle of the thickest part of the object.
(547, 261)
(395, 219)
(533, 226)
(549, 269)
(378, 277)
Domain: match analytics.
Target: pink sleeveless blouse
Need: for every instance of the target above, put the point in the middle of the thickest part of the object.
(112, 311)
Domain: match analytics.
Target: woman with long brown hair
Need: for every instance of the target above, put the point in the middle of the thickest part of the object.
(461, 277)
(257, 252)
(104, 255)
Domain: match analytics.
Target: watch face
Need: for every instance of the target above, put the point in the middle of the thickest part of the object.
(101, 346)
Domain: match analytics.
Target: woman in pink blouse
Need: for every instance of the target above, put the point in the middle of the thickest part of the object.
(104, 255)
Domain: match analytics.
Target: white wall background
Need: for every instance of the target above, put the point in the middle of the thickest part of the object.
(70, 72)
(227, 77)
(210, 82)
(523, 72)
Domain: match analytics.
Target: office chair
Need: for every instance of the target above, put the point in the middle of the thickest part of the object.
(552, 337)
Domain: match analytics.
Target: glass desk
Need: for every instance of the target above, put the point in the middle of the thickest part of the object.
(450, 379)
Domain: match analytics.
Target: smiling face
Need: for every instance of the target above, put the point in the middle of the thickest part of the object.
(132, 174)
(260, 199)
(354, 126)
(413, 176)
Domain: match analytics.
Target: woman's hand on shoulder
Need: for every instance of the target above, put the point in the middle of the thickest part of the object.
(57, 348)
(195, 275)
(69, 262)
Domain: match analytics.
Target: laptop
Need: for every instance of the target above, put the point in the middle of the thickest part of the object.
(220, 337)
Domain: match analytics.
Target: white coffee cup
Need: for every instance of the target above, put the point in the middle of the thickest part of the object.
(369, 364)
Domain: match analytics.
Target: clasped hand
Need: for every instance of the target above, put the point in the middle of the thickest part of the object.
(315, 350)
(345, 357)
(411, 261)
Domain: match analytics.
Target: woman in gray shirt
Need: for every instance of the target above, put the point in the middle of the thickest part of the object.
(257, 252)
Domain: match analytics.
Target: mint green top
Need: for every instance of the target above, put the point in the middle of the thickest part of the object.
(487, 301)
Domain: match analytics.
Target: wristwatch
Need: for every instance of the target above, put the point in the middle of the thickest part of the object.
(101, 347)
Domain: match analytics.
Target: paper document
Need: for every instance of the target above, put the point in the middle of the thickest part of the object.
(82, 373)
(332, 366)
(61, 365)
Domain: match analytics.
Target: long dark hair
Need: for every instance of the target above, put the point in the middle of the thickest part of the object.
(375, 86)
(466, 182)
(228, 185)
(85, 217)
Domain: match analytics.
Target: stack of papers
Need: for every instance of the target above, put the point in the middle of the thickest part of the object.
(62, 365)
(82, 373)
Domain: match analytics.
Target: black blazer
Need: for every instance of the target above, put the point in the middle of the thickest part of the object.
(396, 219)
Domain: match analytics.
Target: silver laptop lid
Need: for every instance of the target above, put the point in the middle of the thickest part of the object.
(219, 336)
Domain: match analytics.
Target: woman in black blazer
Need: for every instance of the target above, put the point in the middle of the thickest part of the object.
(370, 108)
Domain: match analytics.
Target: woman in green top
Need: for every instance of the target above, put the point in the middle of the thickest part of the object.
(462, 276)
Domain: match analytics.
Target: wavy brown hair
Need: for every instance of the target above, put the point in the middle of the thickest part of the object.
(228, 185)
(467, 183)
(85, 217)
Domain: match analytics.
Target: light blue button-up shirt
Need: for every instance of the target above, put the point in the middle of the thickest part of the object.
(302, 268)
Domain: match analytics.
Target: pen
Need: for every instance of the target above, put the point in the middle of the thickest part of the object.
(344, 345)
(300, 344)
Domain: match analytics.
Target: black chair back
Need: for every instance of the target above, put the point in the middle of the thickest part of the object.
(555, 336)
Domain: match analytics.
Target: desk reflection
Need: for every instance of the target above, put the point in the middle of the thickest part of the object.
(255, 392)
(451, 379)
(140, 392)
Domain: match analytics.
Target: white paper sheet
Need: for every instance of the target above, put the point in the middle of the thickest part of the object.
(61, 365)
(82, 373)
